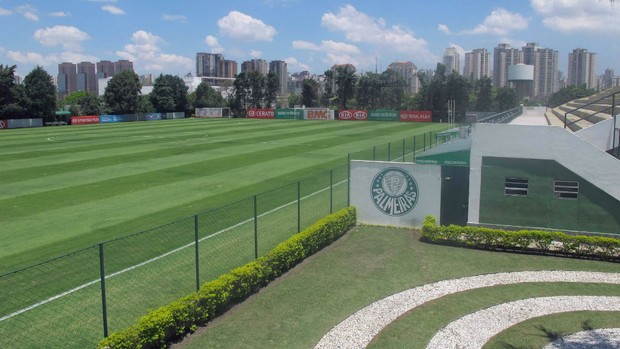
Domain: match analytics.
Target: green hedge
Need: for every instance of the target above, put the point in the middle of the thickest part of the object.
(536, 241)
(180, 317)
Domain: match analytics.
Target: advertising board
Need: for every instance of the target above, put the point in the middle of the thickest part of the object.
(4, 124)
(318, 114)
(289, 114)
(152, 116)
(353, 115)
(104, 119)
(84, 120)
(209, 112)
(416, 115)
(260, 114)
(384, 115)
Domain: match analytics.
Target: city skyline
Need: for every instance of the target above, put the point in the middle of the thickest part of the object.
(307, 35)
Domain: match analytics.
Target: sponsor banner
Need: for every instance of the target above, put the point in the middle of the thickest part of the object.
(104, 119)
(318, 114)
(209, 112)
(416, 115)
(260, 114)
(4, 124)
(84, 119)
(289, 114)
(384, 115)
(23, 123)
(152, 116)
(353, 115)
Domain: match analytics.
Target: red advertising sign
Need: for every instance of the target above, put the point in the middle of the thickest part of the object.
(352, 115)
(84, 119)
(261, 114)
(416, 115)
(4, 124)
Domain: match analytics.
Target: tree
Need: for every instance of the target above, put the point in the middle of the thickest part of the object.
(457, 89)
(345, 84)
(368, 92)
(14, 102)
(122, 93)
(392, 89)
(483, 91)
(42, 94)
(90, 104)
(309, 93)
(145, 105)
(241, 94)
(506, 99)
(294, 99)
(257, 87)
(272, 85)
(207, 97)
(328, 96)
(567, 94)
(169, 94)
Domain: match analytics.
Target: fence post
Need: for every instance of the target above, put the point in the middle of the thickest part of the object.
(349, 180)
(374, 152)
(331, 191)
(298, 206)
(424, 146)
(413, 157)
(403, 150)
(197, 253)
(255, 229)
(103, 294)
(389, 150)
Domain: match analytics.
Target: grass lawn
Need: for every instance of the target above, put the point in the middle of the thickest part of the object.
(66, 188)
(370, 263)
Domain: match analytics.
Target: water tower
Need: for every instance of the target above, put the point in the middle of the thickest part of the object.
(521, 77)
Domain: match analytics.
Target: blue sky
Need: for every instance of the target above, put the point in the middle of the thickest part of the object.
(163, 36)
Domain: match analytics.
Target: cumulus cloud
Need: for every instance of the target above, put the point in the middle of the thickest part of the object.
(145, 51)
(113, 10)
(305, 45)
(32, 58)
(335, 52)
(499, 22)
(293, 64)
(360, 27)
(213, 44)
(5, 12)
(67, 36)
(241, 26)
(569, 16)
(256, 53)
(60, 14)
(178, 18)
(28, 11)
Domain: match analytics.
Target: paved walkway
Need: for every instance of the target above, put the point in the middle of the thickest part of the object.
(531, 116)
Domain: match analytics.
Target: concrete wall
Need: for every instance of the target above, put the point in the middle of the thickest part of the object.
(600, 134)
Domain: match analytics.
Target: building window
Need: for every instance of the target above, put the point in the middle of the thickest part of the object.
(515, 186)
(565, 189)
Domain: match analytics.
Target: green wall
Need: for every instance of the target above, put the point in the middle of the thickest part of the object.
(593, 210)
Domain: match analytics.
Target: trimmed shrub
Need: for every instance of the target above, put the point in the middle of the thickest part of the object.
(161, 326)
(535, 241)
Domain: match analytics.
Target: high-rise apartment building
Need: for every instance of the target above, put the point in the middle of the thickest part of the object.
(503, 57)
(122, 65)
(409, 72)
(581, 68)
(545, 73)
(226, 69)
(257, 65)
(105, 69)
(476, 64)
(451, 60)
(67, 78)
(86, 77)
(279, 68)
(207, 64)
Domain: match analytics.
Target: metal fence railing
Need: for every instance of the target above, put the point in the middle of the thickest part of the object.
(75, 300)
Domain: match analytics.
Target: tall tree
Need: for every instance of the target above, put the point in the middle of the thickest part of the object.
(169, 94)
(294, 99)
(207, 97)
(368, 91)
(122, 93)
(392, 89)
(14, 102)
(457, 89)
(90, 104)
(345, 84)
(241, 94)
(327, 97)
(483, 91)
(506, 99)
(257, 89)
(41, 92)
(272, 85)
(310, 93)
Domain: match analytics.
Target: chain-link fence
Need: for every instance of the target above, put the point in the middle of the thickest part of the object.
(75, 300)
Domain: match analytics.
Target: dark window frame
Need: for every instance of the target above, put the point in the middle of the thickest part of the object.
(516, 186)
(565, 190)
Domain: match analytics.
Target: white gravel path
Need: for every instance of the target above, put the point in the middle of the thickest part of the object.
(474, 330)
(359, 329)
(605, 338)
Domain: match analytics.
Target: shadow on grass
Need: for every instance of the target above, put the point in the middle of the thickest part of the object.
(553, 336)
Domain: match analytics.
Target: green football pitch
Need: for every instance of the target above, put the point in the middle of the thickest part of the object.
(63, 189)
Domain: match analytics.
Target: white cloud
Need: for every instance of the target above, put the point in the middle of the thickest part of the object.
(293, 64)
(336, 52)
(499, 22)
(569, 16)
(60, 14)
(179, 18)
(460, 50)
(76, 57)
(241, 26)
(443, 28)
(256, 54)
(513, 42)
(145, 51)
(305, 45)
(113, 10)
(213, 44)
(5, 12)
(32, 58)
(359, 27)
(69, 37)
(28, 11)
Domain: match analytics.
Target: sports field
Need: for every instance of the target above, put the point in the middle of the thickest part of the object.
(63, 189)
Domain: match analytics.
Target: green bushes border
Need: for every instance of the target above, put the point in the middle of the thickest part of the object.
(183, 316)
(531, 241)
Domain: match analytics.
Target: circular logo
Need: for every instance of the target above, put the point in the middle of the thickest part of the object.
(345, 115)
(2, 124)
(394, 192)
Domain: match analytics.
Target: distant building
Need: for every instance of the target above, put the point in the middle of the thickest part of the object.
(67, 78)
(105, 69)
(17, 80)
(581, 68)
(609, 80)
(279, 68)
(207, 64)
(476, 64)
(146, 79)
(409, 72)
(122, 65)
(451, 60)
(503, 57)
(226, 69)
(255, 65)
(86, 77)
(546, 74)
